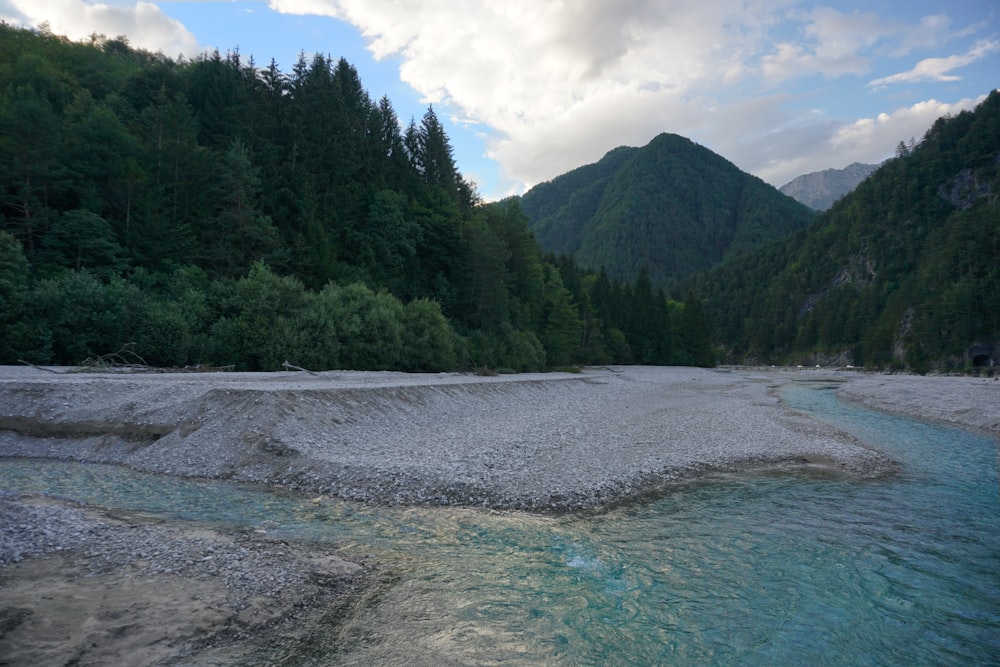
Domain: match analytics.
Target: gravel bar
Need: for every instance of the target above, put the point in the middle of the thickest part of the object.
(88, 586)
(537, 442)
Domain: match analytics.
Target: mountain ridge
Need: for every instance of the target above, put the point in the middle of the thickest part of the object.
(672, 207)
(820, 189)
(902, 272)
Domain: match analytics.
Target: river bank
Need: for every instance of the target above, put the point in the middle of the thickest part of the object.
(85, 586)
(96, 587)
(545, 442)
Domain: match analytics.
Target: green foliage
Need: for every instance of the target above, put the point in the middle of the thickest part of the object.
(212, 212)
(76, 316)
(369, 326)
(671, 207)
(238, 233)
(903, 271)
(261, 325)
(428, 340)
(13, 288)
(563, 330)
(509, 349)
(79, 240)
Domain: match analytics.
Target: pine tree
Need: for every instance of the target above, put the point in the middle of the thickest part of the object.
(239, 234)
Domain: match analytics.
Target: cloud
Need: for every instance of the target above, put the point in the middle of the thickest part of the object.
(824, 143)
(939, 69)
(144, 23)
(554, 85)
(559, 84)
(835, 44)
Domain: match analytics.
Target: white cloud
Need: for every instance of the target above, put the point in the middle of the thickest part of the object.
(145, 25)
(562, 83)
(825, 143)
(558, 84)
(939, 69)
(834, 44)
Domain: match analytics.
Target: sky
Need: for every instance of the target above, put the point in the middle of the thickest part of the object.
(530, 89)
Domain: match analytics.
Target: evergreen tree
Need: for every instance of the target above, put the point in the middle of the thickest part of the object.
(238, 233)
(563, 330)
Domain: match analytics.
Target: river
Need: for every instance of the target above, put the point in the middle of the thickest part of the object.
(775, 567)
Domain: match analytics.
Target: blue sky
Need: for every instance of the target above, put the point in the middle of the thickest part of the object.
(529, 90)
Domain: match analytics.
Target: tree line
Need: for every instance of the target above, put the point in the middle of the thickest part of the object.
(902, 273)
(216, 212)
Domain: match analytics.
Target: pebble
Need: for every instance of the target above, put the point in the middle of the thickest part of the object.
(538, 442)
(245, 564)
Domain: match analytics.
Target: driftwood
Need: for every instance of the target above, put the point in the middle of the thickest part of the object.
(287, 366)
(41, 368)
(126, 360)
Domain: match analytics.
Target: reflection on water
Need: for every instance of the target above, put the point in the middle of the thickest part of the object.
(778, 568)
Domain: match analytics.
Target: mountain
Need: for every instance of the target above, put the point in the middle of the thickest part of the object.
(820, 189)
(903, 272)
(672, 206)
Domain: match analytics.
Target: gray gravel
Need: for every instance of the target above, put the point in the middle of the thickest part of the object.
(153, 593)
(961, 400)
(537, 442)
(249, 564)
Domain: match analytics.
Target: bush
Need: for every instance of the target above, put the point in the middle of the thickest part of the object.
(429, 342)
(76, 317)
(509, 348)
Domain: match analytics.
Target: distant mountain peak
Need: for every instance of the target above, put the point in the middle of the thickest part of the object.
(820, 189)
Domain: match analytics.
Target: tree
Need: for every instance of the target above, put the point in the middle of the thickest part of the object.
(80, 239)
(261, 329)
(485, 302)
(435, 161)
(563, 329)
(695, 332)
(239, 234)
(13, 295)
(429, 342)
(29, 164)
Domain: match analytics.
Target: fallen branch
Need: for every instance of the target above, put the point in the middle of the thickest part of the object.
(41, 368)
(289, 366)
(125, 358)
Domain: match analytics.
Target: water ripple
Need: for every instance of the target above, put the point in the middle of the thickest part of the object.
(760, 570)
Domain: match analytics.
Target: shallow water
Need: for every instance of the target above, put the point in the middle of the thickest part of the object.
(769, 568)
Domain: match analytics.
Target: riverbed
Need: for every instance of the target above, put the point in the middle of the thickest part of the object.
(798, 559)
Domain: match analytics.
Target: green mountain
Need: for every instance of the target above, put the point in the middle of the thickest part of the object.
(672, 206)
(904, 271)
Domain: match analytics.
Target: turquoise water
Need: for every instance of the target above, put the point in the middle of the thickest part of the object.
(764, 569)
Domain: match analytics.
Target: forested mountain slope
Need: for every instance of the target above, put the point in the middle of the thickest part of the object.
(820, 189)
(215, 212)
(672, 206)
(905, 271)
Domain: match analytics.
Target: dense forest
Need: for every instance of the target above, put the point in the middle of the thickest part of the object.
(219, 213)
(903, 272)
(672, 207)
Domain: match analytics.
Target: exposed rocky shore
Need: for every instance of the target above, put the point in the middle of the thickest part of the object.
(550, 442)
(89, 587)
(85, 587)
(969, 402)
